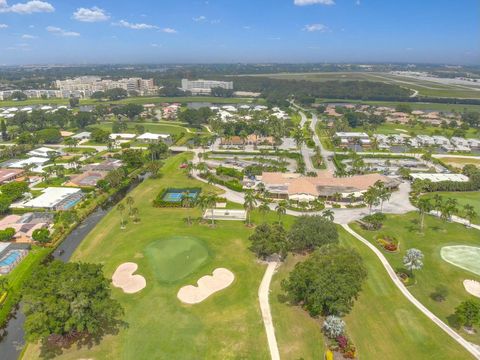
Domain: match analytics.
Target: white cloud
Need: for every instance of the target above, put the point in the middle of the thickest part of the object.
(3, 26)
(316, 27)
(138, 26)
(61, 32)
(313, 2)
(28, 36)
(93, 14)
(357, 2)
(30, 7)
(155, 45)
(199, 18)
(169, 30)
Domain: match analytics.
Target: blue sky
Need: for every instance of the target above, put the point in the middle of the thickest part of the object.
(165, 31)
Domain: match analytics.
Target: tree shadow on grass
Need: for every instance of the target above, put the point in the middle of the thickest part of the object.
(55, 345)
(453, 321)
(413, 225)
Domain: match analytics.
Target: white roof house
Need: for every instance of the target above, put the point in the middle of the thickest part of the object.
(474, 143)
(459, 141)
(425, 140)
(439, 177)
(43, 152)
(441, 140)
(52, 197)
(34, 160)
(123, 136)
(351, 135)
(82, 135)
(153, 137)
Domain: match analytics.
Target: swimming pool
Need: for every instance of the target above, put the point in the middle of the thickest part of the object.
(11, 259)
(176, 195)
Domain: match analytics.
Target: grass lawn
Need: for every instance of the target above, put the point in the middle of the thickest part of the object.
(436, 272)
(382, 325)
(172, 129)
(226, 325)
(459, 162)
(463, 198)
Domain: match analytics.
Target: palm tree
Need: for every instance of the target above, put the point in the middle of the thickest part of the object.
(328, 214)
(351, 197)
(249, 203)
(470, 213)
(413, 260)
(121, 209)
(189, 168)
(264, 209)
(298, 136)
(211, 201)
(134, 213)
(281, 209)
(424, 206)
(202, 202)
(438, 204)
(187, 202)
(370, 197)
(130, 202)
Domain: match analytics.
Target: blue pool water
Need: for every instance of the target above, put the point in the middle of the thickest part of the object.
(13, 256)
(71, 204)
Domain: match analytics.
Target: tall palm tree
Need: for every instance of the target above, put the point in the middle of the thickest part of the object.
(470, 213)
(187, 202)
(328, 214)
(249, 203)
(189, 168)
(129, 200)
(264, 209)
(211, 201)
(424, 206)
(281, 209)
(437, 204)
(370, 197)
(134, 213)
(202, 202)
(121, 209)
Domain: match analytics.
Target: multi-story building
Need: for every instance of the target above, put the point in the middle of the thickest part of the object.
(204, 86)
(87, 85)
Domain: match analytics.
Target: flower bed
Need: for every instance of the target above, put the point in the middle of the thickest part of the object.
(388, 243)
(342, 346)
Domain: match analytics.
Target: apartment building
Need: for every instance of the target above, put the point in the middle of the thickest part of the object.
(204, 86)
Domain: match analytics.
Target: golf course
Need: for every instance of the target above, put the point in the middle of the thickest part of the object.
(171, 254)
(437, 275)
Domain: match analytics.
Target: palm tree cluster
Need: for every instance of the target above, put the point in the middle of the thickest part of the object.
(376, 195)
(445, 209)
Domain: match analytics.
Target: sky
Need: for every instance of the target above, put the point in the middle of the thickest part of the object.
(233, 31)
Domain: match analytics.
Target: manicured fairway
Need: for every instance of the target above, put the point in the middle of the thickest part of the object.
(228, 325)
(436, 273)
(174, 258)
(383, 324)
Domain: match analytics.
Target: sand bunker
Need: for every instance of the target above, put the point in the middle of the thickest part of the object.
(472, 287)
(206, 286)
(123, 278)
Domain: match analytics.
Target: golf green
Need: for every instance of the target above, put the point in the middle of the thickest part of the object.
(465, 257)
(174, 258)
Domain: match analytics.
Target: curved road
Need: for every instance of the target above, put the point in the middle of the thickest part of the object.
(471, 348)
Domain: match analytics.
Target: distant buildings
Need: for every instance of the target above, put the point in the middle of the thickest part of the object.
(204, 86)
(85, 86)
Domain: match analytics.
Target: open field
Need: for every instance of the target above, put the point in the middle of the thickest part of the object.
(131, 100)
(226, 325)
(382, 321)
(388, 128)
(424, 87)
(459, 162)
(156, 128)
(436, 272)
(463, 198)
